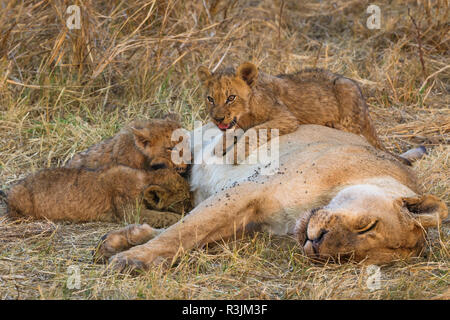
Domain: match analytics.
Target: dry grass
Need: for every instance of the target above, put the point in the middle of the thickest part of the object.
(62, 90)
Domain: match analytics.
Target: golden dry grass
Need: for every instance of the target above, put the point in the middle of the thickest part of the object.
(62, 90)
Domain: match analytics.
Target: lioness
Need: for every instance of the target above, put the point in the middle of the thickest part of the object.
(105, 194)
(246, 98)
(143, 144)
(346, 198)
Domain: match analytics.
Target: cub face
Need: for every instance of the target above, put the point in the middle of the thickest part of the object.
(154, 139)
(228, 94)
(167, 191)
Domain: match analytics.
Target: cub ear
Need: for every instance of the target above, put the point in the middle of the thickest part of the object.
(156, 197)
(203, 74)
(427, 209)
(248, 72)
(141, 137)
(172, 116)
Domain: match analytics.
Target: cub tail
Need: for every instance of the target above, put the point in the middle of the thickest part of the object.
(3, 203)
(3, 197)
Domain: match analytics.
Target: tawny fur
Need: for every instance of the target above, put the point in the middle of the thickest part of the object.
(107, 194)
(143, 144)
(347, 199)
(247, 98)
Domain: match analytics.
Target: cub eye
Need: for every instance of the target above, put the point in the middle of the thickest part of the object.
(158, 166)
(210, 99)
(231, 98)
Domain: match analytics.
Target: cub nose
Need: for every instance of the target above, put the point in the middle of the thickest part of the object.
(219, 119)
(181, 168)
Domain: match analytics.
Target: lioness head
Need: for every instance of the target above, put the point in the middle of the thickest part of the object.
(366, 225)
(154, 139)
(228, 93)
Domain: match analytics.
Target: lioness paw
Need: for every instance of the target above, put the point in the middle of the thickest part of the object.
(125, 264)
(139, 258)
(123, 239)
(109, 245)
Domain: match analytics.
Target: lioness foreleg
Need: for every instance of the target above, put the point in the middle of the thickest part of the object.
(220, 216)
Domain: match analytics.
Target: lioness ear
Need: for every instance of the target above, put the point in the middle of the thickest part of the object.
(427, 209)
(203, 74)
(248, 72)
(141, 137)
(156, 197)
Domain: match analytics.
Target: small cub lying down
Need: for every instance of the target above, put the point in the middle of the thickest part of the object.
(143, 144)
(107, 194)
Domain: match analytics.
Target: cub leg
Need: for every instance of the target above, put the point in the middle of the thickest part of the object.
(159, 219)
(285, 122)
(354, 115)
(220, 216)
(155, 219)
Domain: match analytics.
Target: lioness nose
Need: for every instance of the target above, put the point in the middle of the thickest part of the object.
(320, 237)
(219, 119)
(315, 242)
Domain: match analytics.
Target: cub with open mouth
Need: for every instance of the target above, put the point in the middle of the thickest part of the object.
(248, 99)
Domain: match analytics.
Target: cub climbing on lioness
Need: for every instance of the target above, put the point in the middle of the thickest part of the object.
(245, 98)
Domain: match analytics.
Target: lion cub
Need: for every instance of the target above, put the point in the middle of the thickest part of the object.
(107, 194)
(246, 99)
(143, 144)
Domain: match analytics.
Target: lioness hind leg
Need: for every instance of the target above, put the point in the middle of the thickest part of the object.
(123, 239)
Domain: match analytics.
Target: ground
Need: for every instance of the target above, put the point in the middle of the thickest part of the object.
(62, 90)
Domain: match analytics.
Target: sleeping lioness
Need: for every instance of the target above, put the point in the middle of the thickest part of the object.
(339, 196)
